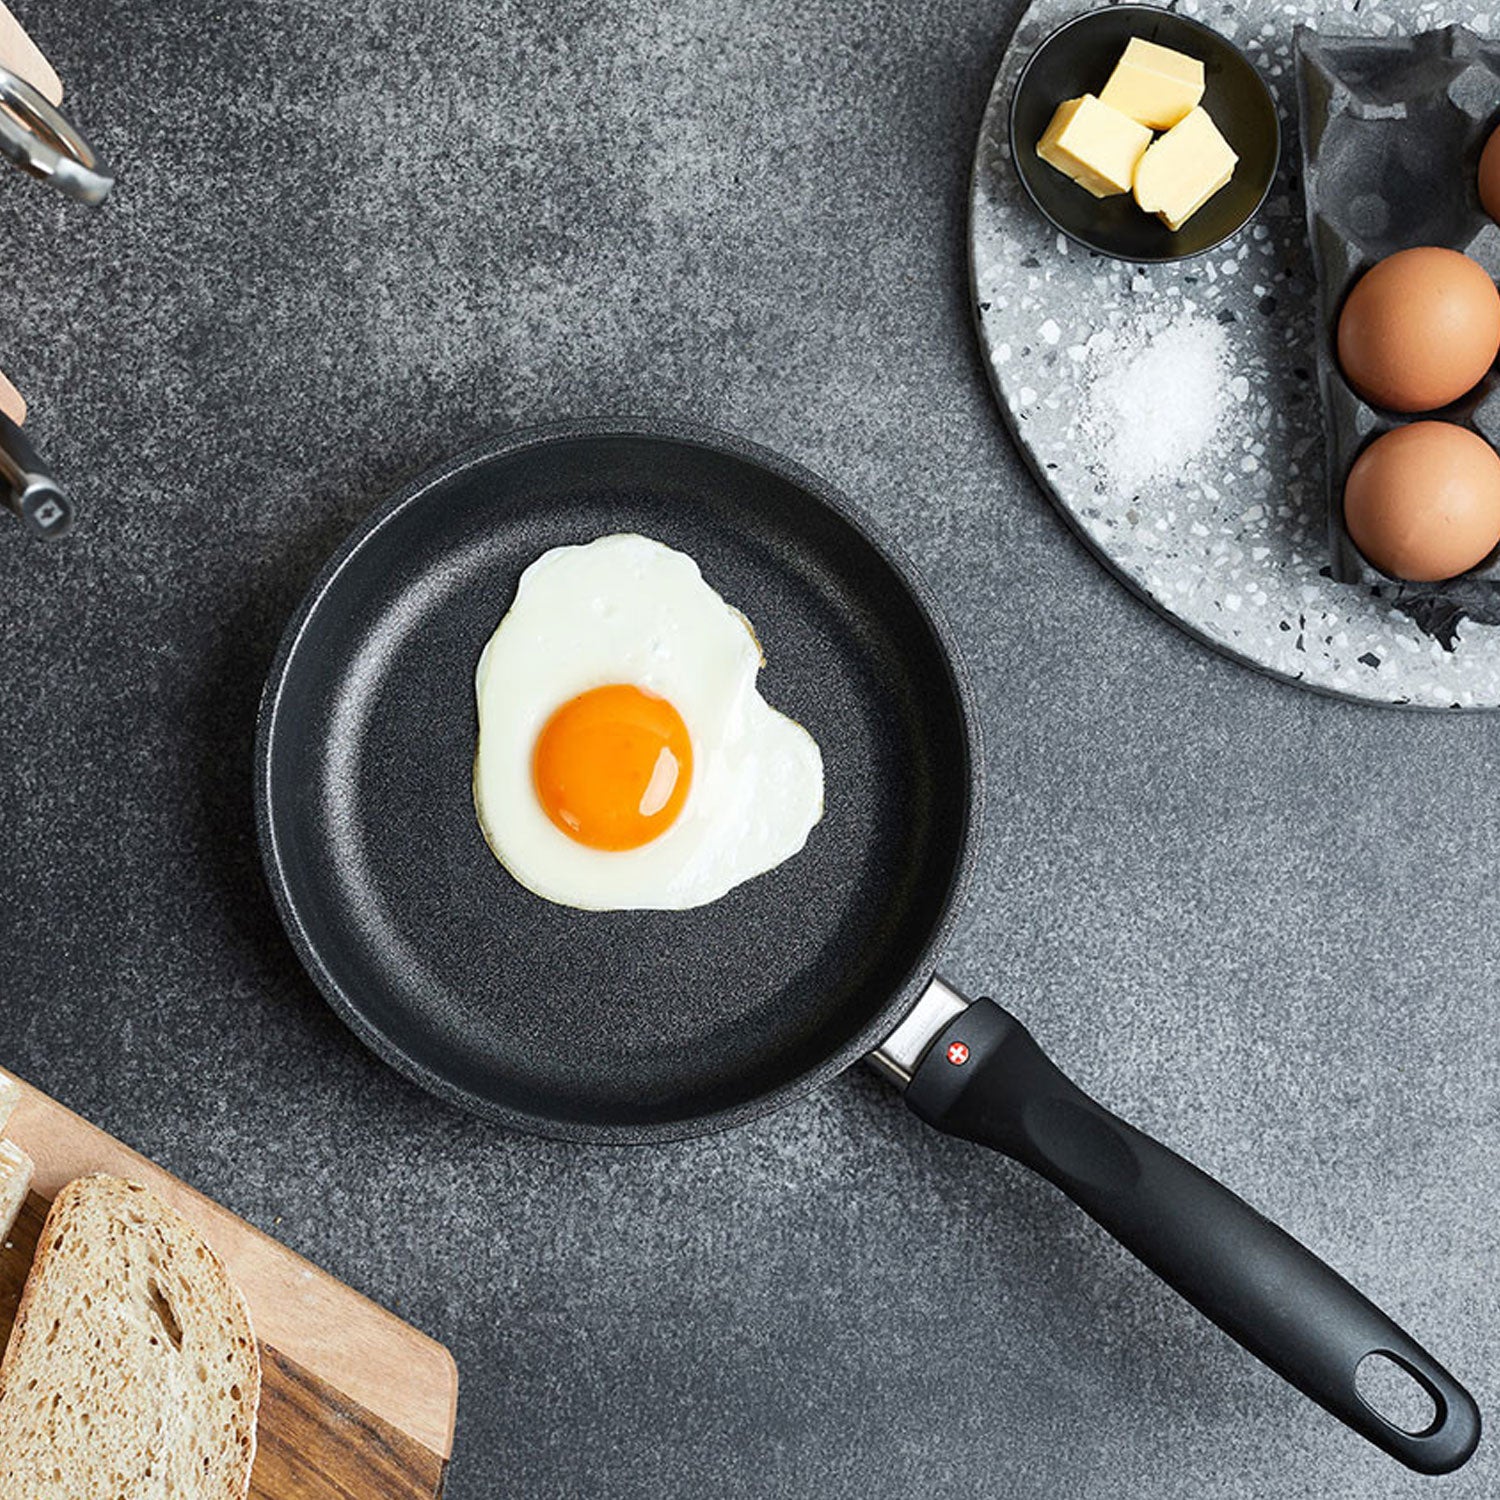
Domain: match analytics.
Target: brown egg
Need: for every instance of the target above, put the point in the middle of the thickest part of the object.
(1422, 502)
(1489, 176)
(1419, 329)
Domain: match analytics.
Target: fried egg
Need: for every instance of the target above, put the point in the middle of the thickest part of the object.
(626, 760)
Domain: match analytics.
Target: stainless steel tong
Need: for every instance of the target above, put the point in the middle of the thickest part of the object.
(45, 144)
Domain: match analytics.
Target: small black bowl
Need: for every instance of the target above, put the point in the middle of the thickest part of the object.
(1077, 59)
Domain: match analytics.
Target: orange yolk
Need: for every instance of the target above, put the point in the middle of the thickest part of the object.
(612, 767)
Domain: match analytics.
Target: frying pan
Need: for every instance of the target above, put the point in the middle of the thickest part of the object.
(647, 1026)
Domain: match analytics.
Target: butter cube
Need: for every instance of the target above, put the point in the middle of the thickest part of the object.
(1183, 169)
(1155, 85)
(1095, 145)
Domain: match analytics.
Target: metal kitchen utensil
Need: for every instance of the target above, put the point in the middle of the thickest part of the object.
(26, 488)
(43, 142)
(648, 1026)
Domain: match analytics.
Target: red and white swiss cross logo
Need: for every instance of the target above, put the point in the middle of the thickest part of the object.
(958, 1054)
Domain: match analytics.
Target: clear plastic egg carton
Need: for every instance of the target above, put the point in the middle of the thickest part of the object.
(1392, 129)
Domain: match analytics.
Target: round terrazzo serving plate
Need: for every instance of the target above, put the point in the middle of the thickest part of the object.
(1228, 539)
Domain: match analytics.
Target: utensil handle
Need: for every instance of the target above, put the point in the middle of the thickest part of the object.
(985, 1079)
(44, 143)
(26, 488)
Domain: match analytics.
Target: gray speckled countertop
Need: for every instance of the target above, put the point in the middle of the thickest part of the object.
(350, 240)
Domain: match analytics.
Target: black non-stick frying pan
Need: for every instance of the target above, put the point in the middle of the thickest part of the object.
(644, 1026)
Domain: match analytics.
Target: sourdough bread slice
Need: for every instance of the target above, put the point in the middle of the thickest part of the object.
(15, 1182)
(10, 1096)
(132, 1372)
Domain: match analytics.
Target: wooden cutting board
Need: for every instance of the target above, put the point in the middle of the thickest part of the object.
(355, 1405)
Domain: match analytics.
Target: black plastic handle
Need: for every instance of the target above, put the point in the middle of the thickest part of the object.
(985, 1079)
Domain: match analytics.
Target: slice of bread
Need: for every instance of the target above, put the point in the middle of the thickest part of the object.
(132, 1372)
(15, 1182)
(15, 1166)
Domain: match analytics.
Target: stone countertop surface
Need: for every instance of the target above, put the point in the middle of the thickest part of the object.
(350, 240)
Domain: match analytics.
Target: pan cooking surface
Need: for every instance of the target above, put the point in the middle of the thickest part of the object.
(617, 1025)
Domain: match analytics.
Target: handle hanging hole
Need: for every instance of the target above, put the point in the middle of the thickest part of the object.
(1396, 1393)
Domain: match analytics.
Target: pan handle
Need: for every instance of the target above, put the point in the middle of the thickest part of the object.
(983, 1078)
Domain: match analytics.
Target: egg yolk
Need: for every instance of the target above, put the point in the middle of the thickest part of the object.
(612, 767)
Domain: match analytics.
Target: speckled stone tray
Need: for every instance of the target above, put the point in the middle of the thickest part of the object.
(1392, 129)
(1233, 545)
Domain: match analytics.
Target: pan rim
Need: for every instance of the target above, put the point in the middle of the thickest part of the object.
(903, 993)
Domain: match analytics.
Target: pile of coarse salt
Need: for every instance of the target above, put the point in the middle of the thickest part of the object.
(1155, 401)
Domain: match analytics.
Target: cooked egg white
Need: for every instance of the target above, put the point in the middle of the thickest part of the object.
(617, 679)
